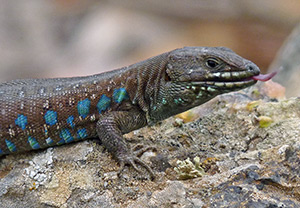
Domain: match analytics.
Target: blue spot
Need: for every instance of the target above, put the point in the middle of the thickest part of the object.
(83, 107)
(120, 94)
(66, 135)
(49, 141)
(1, 152)
(50, 117)
(82, 133)
(11, 146)
(70, 120)
(21, 121)
(103, 103)
(62, 141)
(33, 143)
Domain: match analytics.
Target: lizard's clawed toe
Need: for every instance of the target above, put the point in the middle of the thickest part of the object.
(132, 161)
(140, 149)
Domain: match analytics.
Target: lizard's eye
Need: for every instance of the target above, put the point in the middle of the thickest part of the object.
(212, 63)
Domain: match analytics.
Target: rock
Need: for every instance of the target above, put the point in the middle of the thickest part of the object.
(239, 163)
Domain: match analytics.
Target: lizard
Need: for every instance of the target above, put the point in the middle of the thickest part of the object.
(41, 113)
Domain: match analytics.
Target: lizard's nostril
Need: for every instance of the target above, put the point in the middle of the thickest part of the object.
(252, 68)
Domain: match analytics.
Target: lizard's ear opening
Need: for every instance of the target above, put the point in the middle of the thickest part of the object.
(167, 77)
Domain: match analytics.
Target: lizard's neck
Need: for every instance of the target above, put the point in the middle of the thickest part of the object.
(144, 80)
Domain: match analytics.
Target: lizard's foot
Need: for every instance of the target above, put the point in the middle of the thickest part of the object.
(132, 160)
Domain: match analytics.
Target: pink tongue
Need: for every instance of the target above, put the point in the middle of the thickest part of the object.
(264, 77)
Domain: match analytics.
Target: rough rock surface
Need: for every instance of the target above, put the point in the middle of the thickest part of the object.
(248, 145)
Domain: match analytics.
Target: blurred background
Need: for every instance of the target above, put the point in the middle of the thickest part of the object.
(63, 38)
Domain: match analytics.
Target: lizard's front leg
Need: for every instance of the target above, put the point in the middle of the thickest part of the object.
(112, 126)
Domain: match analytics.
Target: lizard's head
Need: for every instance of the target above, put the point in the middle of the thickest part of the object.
(209, 70)
(194, 75)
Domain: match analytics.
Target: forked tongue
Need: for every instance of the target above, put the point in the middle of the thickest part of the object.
(264, 77)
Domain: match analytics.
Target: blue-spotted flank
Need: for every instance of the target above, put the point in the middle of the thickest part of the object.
(50, 117)
(120, 94)
(62, 141)
(49, 141)
(83, 107)
(82, 133)
(33, 143)
(21, 121)
(66, 135)
(103, 103)
(11, 146)
(70, 120)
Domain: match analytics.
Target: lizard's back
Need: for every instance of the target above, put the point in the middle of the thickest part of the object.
(38, 113)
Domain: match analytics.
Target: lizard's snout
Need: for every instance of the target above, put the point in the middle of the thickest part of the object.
(251, 67)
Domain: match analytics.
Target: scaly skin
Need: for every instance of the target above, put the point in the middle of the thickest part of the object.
(38, 113)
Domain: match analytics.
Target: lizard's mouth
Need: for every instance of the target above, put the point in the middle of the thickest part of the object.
(232, 80)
